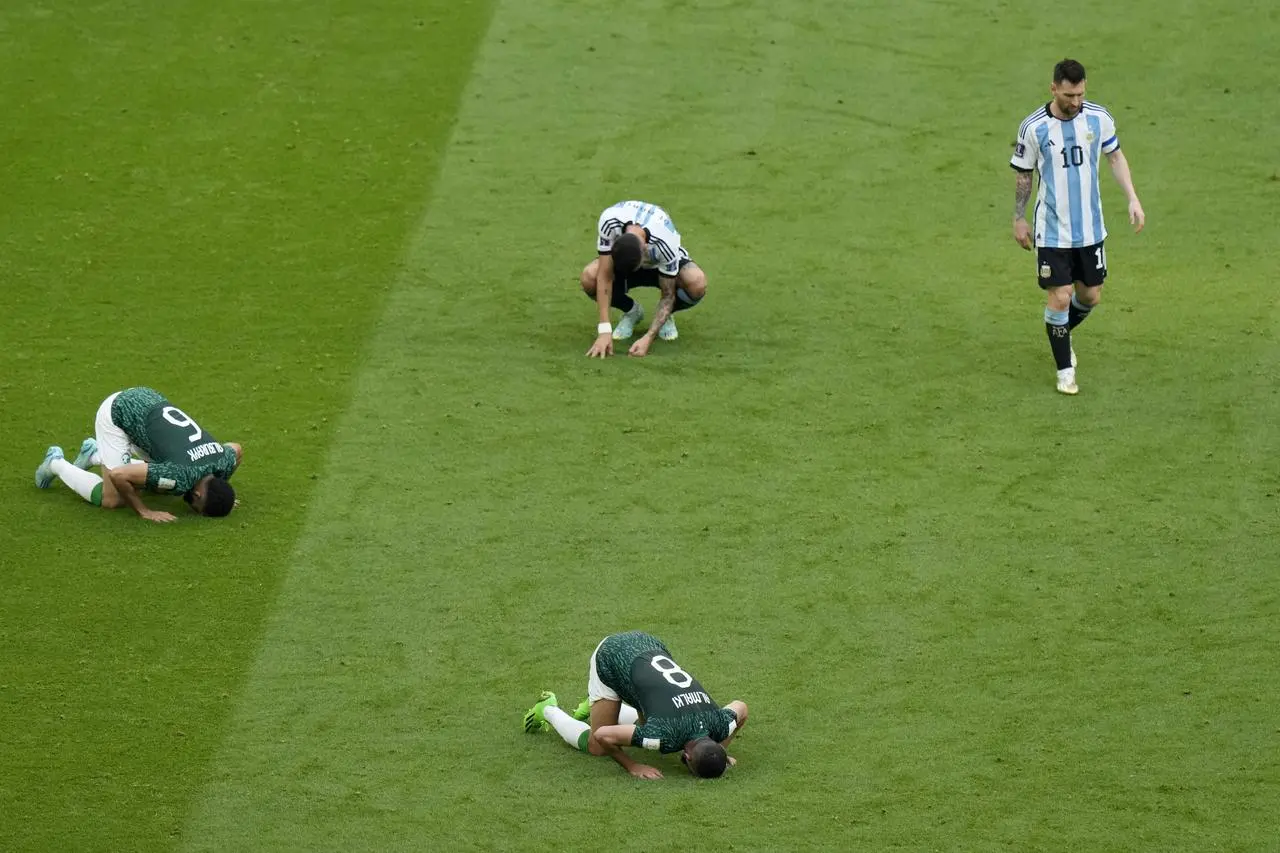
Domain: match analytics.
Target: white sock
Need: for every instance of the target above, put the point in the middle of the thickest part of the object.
(95, 459)
(627, 716)
(81, 482)
(566, 726)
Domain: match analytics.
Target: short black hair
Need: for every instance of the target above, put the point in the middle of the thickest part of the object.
(219, 498)
(1069, 70)
(707, 759)
(626, 254)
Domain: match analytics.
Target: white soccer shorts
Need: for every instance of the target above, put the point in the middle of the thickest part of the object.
(597, 689)
(114, 446)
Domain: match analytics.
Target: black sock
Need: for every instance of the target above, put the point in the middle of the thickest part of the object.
(1077, 314)
(621, 300)
(1060, 343)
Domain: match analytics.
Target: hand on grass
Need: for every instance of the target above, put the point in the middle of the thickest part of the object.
(602, 348)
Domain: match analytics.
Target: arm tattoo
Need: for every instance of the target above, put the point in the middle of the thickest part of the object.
(1022, 193)
(666, 302)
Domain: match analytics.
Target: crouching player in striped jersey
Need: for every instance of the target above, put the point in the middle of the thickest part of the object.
(638, 246)
(1065, 141)
(638, 696)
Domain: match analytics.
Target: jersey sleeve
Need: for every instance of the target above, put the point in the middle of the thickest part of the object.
(665, 243)
(169, 479)
(670, 734)
(607, 230)
(1025, 151)
(1110, 141)
(725, 726)
(653, 735)
(226, 464)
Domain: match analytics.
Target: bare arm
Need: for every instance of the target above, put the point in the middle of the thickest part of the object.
(609, 740)
(604, 286)
(127, 480)
(603, 345)
(1021, 194)
(666, 304)
(739, 709)
(1120, 169)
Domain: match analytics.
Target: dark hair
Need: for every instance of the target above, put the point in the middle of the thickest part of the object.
(219, 498)
(1069, 70)
(707, 759)
(626, 254)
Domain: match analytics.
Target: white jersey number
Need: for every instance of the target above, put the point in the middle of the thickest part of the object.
(172, 414)
(672, 673)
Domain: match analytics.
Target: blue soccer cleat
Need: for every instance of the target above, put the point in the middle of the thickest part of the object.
(44, 474)
(88, 447)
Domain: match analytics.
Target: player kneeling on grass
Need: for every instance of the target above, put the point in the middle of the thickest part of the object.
(145, 442)
(638, 696)
(638, 246)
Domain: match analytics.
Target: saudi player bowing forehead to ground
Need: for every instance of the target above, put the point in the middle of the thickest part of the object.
(143, 441)
(638, 696)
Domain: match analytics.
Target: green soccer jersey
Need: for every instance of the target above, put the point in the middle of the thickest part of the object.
(672, 704)
(181, 452)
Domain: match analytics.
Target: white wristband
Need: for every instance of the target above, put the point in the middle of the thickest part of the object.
(604, 329)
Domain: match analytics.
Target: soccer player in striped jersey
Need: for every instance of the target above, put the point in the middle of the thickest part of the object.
(638, 246)
(1065, 141)
(144, 442)
(638, 696)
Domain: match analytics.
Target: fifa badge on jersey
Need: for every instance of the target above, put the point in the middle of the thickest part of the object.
(166, 485)
(1045, 271)
(1019, 150)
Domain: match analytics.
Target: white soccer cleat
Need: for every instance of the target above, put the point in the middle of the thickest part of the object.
(1067, 381)
(627, 325)
(669, 332)
(44, 474)
(84, 459)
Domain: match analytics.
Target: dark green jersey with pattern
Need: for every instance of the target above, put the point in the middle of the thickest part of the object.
(674, 707)
(181, 452)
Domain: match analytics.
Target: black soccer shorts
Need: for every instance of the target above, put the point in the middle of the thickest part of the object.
(1057, 267)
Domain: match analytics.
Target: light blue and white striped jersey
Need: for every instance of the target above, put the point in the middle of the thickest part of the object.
(665, 250)
(1067, 155)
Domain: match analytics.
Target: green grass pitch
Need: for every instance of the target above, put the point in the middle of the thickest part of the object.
(968, 614)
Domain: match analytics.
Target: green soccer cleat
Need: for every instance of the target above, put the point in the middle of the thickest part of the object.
(534, 721)
(88, 447)
(44, 474)
(669, 332)
(583, 711)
